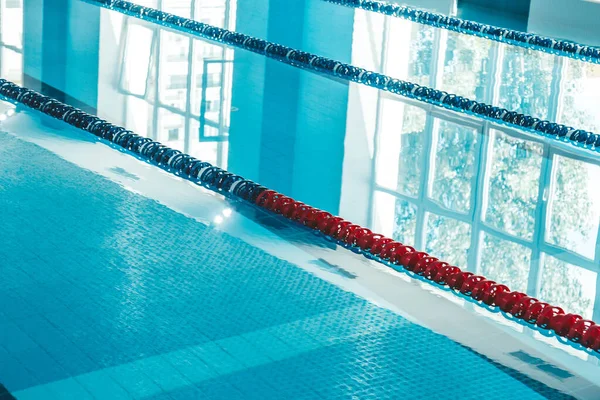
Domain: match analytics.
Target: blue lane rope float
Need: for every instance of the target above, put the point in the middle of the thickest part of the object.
(580, 333)
(348, 72)
(522, 39)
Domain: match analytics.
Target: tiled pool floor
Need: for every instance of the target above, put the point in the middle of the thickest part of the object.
(109, 294)
(119, 280)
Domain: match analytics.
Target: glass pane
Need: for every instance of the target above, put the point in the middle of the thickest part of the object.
(454, 165)
(211, 12)
(505, 262)
(568, 286)
(580, 101)
(394, 217)
(210, 131)
(136, 66)
(12, 66)
(413, 51)
(525, 81)
(171, 129)
(181, 8)
(11, 23)
(574, 212)
(208, 77)
(205, 151)
(147, 3)
(173, 70)
(400, 146)
(466, 65)
(405, 222)
(224, 155)
(139, 115)
(448, 239)
(213, 152)
(513, 184)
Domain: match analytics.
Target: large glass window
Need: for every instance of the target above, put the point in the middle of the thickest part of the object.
(489, 199)
(505, 261)
(513, 184)
(579, 95)
(11, 40)
(466, 65)
(569, 286)
(401, 141)
(574, 212)
(181, 84)
(454, 170)
(448, 239)
(525, 81)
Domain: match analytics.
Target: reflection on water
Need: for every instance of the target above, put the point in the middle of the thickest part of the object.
(178, 87)
(11, 40)
(542, 85)
(490, 199)
(512, 198)
(453, 166)
(516, 209)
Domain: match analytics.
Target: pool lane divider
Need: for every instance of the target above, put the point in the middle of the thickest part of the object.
(546, 44)
(348, 72)
(485, 292)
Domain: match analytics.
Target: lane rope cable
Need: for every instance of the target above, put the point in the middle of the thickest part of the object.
(483, 291)
(348, 72)
(517, 38)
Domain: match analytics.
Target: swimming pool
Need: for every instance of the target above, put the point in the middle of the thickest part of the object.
(123, 280)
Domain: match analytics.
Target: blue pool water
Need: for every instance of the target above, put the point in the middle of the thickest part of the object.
(119, 280)
(109, 294)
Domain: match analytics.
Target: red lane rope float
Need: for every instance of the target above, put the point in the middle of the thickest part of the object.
(483, 290)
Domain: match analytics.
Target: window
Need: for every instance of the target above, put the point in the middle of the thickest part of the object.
(494, 201)
(11, 40)
(394, 217)
(579, 95)
(173, 134)
(212, 105)
(412, 57)
(401, 145)
(177, 82)
(569, 286)
(448, 239)
(505, 261)
(136, 65)
(575, 189)
(454, 165)
(513, 184)
(466, 63)
(213, 79)
(525, 81)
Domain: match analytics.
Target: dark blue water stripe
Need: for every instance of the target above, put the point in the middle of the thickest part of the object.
(309, 61)
(522, 39)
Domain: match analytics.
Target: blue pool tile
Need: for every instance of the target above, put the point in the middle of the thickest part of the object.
(69, 389)
(36, 393)
(14, 339)
(102, 386)
(243, 351)
(270, 345)
(41, 364)
(19, 308)
(255, 387)
(162, 373)
(207, 316)
(13, 374)
(133, 377)
(190, 366)
(216, 358)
